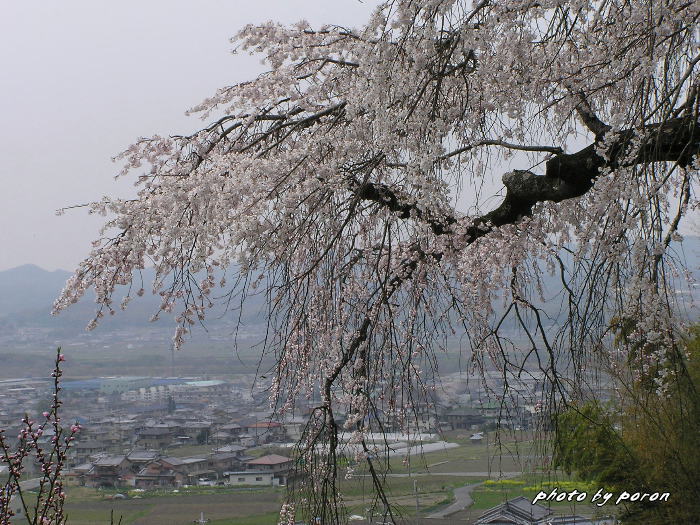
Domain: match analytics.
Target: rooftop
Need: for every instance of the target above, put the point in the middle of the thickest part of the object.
(265, 424)
(110, 461)
(142, 455)
(518, 510)
(229, 448)
(213, 382)
(271, 459)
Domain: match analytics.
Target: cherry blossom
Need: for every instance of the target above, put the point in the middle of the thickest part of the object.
(335, 185)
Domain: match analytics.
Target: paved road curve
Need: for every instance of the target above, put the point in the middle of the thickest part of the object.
(463, 496)
(463, 500)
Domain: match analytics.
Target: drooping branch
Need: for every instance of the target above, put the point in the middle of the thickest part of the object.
(567, 176)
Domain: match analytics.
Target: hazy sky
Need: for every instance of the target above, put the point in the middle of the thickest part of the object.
(82, 79)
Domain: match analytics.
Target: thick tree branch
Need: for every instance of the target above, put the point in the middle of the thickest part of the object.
(567, 175)
(572, 175)
(589, 118)
(381, 193)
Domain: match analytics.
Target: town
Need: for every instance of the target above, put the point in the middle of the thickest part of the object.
(136, 431)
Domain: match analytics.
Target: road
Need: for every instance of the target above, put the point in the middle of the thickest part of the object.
(463, 496)
(463, 500)
(490, 475)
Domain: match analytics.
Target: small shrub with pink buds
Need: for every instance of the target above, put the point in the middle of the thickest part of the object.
(46, 506)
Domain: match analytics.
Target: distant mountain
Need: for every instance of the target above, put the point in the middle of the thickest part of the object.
(27, 294)
(28, 288)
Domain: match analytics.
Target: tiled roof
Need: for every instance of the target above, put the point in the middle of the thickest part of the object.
(147, 472)
(192, 460)
(142, 455)
(265, 424)
(519, 511)
(110, 461)
(181, 461)
(173, 461)
(272, 459)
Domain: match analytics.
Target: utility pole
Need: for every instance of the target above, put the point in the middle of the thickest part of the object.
(415, 490)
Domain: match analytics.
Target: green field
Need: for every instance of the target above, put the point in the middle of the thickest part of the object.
(223, 506)
(429, 474)
(234, 505)
(519, 453)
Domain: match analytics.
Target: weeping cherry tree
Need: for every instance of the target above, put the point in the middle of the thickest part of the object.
(393, 187)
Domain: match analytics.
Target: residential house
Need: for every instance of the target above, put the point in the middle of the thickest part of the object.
(266, 431)
(191, 469)
(139, 459)
(462, 418)
(108, 471)
(521, 511)
(246, 440)
(221, 437)
(154, 438)
(491, 409)
(78, 474)
(96, 432)
(232, 428)
(157, 474)
(278, 466)
(235, 449)
(82, 450)
(252, 477)
(221, 462)
(194, 429)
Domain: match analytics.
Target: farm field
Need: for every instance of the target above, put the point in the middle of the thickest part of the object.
(254, 506)
(435, 475)
(509, 453)
(257, 507)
